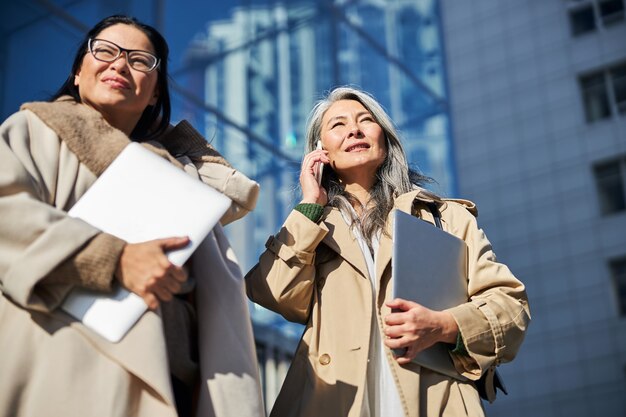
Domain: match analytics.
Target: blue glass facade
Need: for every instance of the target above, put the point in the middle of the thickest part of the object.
(246, 74)
(274, 60)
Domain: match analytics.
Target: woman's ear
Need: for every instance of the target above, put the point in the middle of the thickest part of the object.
(77, 78)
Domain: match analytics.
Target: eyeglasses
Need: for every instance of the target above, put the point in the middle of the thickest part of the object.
(107, 51)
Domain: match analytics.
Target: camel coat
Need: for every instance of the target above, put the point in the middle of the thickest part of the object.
(51, 365)
(315, 274)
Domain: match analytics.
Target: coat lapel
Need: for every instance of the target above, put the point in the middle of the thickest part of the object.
(147, 364)
(340, 239)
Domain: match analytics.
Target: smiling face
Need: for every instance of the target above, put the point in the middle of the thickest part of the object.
(116, 90)
(354, 140)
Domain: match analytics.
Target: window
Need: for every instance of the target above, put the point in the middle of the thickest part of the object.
(590, 15)
(618, 79)
(582, 20)
(618, 271)
(611, 184)
(611, 11)
(604, 93)
(595, 97)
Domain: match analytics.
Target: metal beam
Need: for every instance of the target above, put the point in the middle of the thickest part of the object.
(250, 134)
(432, 111)
(159, 15)
(63, 15)
(203, 62)
(392, 59)
(334, 43)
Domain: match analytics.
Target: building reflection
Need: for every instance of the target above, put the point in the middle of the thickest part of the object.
(260, 72)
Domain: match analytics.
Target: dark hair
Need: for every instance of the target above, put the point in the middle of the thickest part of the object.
(155, 119)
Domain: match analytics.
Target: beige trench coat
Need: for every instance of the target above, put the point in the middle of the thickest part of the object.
(315, 274)
(51, 365)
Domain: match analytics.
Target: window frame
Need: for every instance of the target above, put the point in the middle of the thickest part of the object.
(601, 21)
(608, 20)
(602, 190)
(619, 107)
(617, 271)
(587, 90)
(576, 10)
(609, 93)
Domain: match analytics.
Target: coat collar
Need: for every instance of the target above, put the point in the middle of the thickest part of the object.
(87, 134)
(343, 242)
(403, 203)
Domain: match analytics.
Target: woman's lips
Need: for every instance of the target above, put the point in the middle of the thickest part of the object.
(357, 147)
(116, 82)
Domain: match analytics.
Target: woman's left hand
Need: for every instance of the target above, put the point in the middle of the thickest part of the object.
(413, 327)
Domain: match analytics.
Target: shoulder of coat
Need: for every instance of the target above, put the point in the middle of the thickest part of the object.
(27, 122)
(461, 203)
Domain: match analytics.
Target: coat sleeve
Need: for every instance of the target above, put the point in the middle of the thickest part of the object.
(43, 251)
(493, 323)
(283, 279)
(213, 169)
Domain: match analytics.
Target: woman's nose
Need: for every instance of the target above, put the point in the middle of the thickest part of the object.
(355, 131)
(121, 66)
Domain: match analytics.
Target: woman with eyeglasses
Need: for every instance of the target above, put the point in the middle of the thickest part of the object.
(172, 362)
(330, 269)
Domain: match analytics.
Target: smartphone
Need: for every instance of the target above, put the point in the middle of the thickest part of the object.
(320, 166)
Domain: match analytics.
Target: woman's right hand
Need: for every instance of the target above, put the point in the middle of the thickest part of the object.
(312, 191)
(144, 269)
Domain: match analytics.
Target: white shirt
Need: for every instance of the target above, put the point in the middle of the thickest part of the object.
(381, 398)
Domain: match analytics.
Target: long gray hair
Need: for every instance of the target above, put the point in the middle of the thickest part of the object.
(393, 177)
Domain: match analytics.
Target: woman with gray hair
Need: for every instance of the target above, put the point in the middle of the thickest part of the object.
(329, 268)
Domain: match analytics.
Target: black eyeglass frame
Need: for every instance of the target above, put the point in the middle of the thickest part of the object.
(120, 52)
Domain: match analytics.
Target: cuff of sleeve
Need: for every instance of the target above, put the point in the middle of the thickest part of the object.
(297, 239)
(243, 191)
(459, 348)
(93, 266)
(476, 338)
(312, 211)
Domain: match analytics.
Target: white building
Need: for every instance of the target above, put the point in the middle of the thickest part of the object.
(538, 102)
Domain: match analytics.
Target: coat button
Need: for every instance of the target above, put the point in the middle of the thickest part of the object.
(325, 359)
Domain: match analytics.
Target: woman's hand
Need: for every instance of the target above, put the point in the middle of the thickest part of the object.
(415, 327)
(312, 191)
(144, 269)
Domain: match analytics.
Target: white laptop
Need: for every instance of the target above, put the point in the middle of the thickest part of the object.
(429, 266)
(141, 197)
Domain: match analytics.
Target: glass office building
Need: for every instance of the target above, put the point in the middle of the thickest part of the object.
(538, 99)
(246, 74)
(265, 65)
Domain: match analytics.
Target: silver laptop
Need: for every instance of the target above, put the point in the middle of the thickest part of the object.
(429, 266)
(141, 197)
